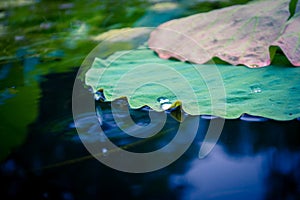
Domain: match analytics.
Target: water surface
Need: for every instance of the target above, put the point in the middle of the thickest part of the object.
(42, 46)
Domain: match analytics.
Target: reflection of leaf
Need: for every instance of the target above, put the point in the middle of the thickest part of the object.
(140, 76)
(17, 113)
(239, 34)
(19, 92)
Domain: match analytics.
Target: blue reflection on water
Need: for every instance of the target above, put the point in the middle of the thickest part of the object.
(223, 177)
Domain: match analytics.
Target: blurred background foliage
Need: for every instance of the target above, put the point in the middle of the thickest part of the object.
(40, 37)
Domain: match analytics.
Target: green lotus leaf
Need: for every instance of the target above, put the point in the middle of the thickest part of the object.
(223, 90)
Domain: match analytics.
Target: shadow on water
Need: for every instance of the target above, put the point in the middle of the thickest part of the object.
(252, 160)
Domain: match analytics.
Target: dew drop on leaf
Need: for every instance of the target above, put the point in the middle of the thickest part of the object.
(255, 89)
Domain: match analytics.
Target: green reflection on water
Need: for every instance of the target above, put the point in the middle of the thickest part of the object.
(58, 35)
(19, 107)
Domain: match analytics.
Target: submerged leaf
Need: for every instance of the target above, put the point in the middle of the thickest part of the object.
(223, 90)
(239, 34)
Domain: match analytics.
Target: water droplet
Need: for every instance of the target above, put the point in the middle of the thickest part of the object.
(166, 106)
(162, 100)
(104, 151)
(255, 89)
(164, 103)
(99, 96)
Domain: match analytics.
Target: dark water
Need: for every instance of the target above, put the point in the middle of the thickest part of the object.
(42, 156)
(252, 160)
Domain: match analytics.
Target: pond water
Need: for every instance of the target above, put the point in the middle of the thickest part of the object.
(42, 156)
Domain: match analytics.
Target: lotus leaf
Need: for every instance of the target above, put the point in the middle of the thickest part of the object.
(240, 34)
(223, 90)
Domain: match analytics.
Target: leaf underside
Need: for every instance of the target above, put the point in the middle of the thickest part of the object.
(239, 34)
(289, 41)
